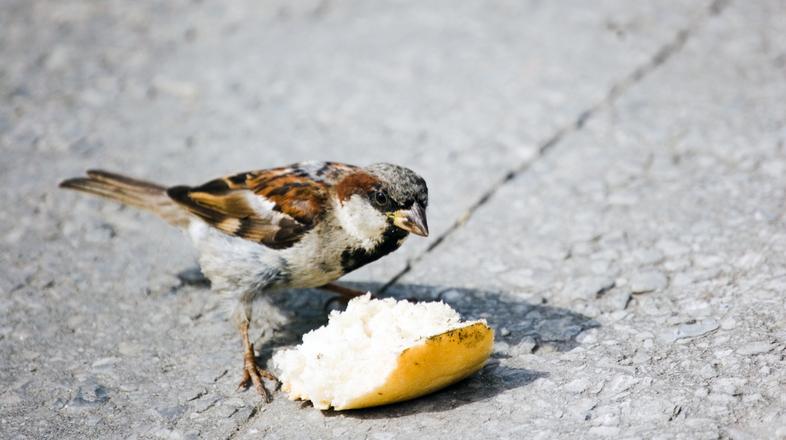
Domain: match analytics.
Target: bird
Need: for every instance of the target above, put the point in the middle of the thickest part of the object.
(302, 225)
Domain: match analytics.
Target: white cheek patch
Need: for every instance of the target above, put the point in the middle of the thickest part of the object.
(361, 220)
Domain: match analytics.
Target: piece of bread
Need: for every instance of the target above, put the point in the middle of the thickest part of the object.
(383, 351)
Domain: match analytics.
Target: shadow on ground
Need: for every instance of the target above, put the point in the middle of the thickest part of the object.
(528, 327)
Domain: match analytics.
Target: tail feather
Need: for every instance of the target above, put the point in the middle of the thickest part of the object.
(128, 182)
(137, 193)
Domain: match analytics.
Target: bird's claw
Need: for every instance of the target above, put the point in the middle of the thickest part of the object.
(253, 374)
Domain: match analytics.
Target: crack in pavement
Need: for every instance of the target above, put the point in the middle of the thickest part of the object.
(637, 75)
(254, 411)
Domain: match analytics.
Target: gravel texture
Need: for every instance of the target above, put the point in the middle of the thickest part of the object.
(608, 183)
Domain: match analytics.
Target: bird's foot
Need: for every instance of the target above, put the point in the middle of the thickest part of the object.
(253, 374)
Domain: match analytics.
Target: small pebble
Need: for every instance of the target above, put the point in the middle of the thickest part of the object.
(691, 330)
(618, 300)
(728, 324)
(676, 264)
(671, 247)
(450, 296)
(604, 431)
(648, 256)
(576, 386)
(648, 282)
(526, 346)
(105, 363)
(727, 385)
(10, 398)
(171, 412)
(88, 395)
(587, 287)
(502, 347)
(620, 383)
(708, 371)
(174, 87)
(755, 348)
(707, 261)
(128, 348)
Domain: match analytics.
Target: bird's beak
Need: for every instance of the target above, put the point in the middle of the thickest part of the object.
(412, 220)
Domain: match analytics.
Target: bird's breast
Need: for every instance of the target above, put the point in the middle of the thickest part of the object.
(323, 255)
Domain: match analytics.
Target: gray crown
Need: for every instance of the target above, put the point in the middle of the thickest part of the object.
(402, 184)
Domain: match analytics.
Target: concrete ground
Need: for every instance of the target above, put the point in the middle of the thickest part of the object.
(608, 186)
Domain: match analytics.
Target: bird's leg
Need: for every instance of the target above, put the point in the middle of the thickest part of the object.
(346, 293)
(251, 372)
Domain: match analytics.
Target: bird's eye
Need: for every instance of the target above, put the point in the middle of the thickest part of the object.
(379, 198)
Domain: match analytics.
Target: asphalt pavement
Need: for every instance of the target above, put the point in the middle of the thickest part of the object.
(607, 188)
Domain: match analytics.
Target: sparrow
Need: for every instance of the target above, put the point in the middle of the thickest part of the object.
(299, 226)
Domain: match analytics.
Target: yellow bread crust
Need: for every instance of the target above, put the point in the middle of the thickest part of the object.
(437, 362)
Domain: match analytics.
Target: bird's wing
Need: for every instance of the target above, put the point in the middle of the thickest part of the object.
(274, 207)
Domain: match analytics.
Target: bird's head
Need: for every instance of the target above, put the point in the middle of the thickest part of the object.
(382, 198)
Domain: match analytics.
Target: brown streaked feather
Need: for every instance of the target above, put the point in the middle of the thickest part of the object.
(332, 172)
(299, 197)
(274, 207)
(289, 203)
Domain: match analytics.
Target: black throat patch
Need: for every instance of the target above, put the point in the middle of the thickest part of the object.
(353, 258)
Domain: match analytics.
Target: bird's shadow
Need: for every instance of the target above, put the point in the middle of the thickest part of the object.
(521, 327)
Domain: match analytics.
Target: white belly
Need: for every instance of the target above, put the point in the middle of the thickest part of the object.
(237, 264)
(232, 263)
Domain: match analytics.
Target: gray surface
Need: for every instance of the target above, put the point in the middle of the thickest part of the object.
(633, 265)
